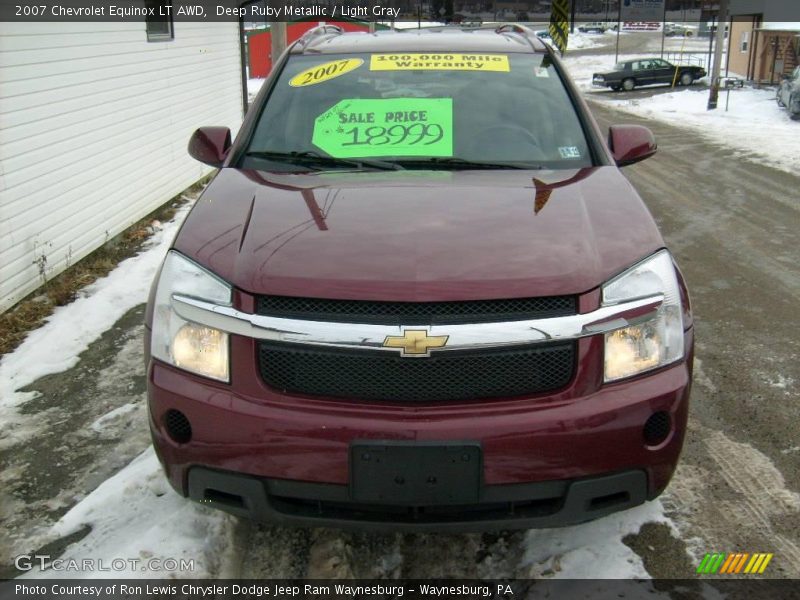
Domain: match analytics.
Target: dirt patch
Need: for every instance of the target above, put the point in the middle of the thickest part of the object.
(31, 312)
(664, 556)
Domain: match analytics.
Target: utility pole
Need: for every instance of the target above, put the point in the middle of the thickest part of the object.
(722, 21)
(572, 17)
(278, 35)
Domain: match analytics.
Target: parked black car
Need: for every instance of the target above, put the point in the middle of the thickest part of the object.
(789, 93)
(646, 71)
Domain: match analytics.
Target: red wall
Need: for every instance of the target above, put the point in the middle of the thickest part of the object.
(259, 45)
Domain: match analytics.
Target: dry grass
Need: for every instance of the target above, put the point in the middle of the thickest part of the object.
(31, 312)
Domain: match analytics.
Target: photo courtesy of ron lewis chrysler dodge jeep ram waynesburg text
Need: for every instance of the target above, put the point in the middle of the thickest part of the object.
(419, 295)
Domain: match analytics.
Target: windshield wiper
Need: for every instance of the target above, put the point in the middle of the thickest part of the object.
(311, 157)
(455, 162)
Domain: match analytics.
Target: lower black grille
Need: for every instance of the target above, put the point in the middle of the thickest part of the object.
(384, 376)
(496, 511)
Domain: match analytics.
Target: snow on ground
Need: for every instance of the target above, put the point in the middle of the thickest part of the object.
(55, 346)
(592, 550)
(582, 67)
(754, 126)
(584, 41)
(69, 330)
(139, 525)
(134, 514)
(253, 87)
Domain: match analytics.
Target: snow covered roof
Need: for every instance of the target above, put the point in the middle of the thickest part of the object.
(781, 26)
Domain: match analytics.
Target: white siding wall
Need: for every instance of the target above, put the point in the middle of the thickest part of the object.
(94, 123)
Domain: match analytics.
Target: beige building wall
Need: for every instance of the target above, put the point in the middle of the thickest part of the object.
(741, 46)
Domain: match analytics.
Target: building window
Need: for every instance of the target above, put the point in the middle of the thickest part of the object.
(744, 42)
(159, 23)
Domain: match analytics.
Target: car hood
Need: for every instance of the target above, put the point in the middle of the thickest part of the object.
(419, 235)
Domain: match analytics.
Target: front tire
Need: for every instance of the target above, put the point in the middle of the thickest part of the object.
(686, 78)
(628, 85)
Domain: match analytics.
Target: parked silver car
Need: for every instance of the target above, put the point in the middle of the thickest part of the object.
(675, 29)
(789, 93)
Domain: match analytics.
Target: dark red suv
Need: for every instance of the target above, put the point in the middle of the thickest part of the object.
(419, 294)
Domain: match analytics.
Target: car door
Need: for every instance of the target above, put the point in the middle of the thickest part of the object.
(663, 72)
(642, 72)
(790, 85)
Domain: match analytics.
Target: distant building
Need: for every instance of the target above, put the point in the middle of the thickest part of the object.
(764, 44)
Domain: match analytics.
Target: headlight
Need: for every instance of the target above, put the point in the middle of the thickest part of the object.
(196, 348)
(656, 342)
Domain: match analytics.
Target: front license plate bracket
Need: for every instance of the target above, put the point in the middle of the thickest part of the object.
(415, 473)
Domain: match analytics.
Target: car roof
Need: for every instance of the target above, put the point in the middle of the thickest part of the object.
(506, 38)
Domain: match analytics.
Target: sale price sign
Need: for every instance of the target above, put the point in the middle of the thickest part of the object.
(386, 127)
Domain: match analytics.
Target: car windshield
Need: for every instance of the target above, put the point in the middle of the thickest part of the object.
(419, 111)
(619, 66)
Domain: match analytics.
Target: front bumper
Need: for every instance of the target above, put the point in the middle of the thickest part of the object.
(521, 506)
(259, 444)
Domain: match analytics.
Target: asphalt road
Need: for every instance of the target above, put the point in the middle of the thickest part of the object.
(733, 227)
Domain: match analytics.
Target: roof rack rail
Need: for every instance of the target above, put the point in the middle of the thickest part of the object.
(515, 28)
(526, 32)
(317, 31)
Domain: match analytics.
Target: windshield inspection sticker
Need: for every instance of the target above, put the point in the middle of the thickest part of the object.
(325, 72)
(569, 152)
(439, 62)
(386, 127)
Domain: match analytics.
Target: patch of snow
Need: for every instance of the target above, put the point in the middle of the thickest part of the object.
(100, 424)
(592, 550)
(754, 125)
(781, 382)
(137, 523)
(70, 329)
(781, 26)
(253, 87)
(55, 346)
(584, 41)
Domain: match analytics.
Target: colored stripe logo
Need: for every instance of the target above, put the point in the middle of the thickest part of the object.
(734, 563)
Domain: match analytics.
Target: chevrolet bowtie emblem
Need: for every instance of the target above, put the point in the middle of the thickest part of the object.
(415, 342)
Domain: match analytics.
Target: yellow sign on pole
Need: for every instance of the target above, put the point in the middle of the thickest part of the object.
(559, 22)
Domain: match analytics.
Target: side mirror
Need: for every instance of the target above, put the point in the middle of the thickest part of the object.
(631, 143)
(210, 145)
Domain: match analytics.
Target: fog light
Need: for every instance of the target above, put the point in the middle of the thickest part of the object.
(178, 427)
(657, 428)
